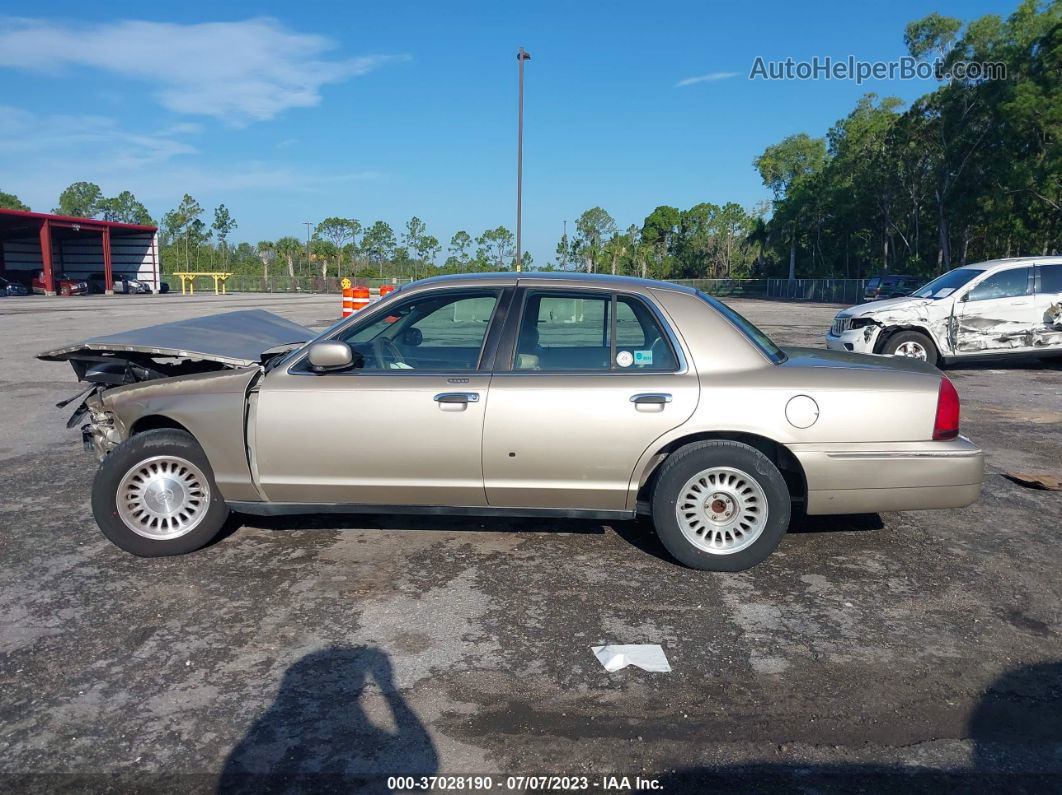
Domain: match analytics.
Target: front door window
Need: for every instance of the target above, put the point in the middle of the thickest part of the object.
(433, 333)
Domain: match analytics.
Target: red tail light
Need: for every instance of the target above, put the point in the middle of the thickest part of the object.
(946, 425)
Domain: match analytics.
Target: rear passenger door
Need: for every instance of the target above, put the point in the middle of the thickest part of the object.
(1049, 305)
(585, 380)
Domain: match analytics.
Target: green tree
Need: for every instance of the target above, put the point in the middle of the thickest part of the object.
(459, 245)
(9, 201)
(339, 232)
(81, 199)
(498, 246)
(783, 167)
(125, 208)
(222, 227)
(378, 244)
(594, 227)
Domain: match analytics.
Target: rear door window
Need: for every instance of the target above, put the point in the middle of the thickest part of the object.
(590, 331)
(1005, 284)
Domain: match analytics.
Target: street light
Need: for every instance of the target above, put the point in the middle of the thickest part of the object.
(521, 56)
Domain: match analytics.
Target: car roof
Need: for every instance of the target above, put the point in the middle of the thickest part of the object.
(567, 278)
(999, 263)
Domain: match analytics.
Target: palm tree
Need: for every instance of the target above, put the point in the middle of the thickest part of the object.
(267, 253)
(289, 248)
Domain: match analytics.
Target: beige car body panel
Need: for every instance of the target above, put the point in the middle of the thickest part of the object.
(566, 442)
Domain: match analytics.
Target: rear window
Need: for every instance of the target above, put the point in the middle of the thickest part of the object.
(758, 338)
(875, 282)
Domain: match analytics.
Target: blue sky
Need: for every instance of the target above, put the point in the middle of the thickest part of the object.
(294, 112)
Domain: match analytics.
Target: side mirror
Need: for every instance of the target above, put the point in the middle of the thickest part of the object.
(331, 356)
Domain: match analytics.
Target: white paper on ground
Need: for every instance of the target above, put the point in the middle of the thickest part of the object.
(647, 656)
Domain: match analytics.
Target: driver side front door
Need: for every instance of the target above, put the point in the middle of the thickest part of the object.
(404, 428)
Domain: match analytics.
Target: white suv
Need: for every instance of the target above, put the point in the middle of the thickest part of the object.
(1002, 307)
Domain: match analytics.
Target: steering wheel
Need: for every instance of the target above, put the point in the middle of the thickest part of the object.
(385, 351)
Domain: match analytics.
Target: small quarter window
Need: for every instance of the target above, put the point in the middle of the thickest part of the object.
(1051, 279)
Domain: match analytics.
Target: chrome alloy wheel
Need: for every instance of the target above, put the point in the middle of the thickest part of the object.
(911, 350)
(721, 510)
(163, 497)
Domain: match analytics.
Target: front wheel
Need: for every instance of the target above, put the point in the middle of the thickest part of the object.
(912, 345)
(155, 495)
(720, 506)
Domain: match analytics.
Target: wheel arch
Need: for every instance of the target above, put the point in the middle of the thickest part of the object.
(895, 328)
(780, 455)
(152, 422)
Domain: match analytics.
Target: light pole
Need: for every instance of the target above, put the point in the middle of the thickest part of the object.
(521, 56)
(309, 271)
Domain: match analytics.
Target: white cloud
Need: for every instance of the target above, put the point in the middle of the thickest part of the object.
(96, 139)
(239, 72)
(711, 77)
(41, 154)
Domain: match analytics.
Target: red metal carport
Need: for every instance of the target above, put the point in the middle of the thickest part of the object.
(32, 242)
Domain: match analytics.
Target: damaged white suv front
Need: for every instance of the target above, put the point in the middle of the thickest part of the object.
(1002, 307)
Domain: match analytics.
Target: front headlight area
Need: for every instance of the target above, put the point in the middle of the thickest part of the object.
(101, 433)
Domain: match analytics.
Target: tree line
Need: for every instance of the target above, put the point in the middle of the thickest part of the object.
(969, 171)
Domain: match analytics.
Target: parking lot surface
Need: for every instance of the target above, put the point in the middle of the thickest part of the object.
(922, 648)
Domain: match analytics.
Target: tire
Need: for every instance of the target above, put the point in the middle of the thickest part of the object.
(912, 340)
(720, 468)
(172, 498)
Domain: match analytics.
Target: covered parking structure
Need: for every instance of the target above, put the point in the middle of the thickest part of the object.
(51, 247)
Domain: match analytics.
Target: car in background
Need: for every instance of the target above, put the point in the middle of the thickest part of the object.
(891, 285)
(1006, 307)
(121, 283)
(8, 287)
(63, 285)
(559, 394)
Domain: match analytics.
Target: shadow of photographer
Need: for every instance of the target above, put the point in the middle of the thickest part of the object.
(338, 721)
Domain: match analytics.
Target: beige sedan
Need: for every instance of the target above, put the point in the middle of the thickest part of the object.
(513, 394)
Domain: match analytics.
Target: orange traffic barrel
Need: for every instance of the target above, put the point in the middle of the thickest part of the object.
(348, 301)
(386, 290)
(360, 297)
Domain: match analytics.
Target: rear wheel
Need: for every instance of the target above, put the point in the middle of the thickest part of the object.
(720, 506)
(912, 345)
(155, 495)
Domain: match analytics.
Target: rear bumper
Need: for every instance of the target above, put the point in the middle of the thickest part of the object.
(899, 476)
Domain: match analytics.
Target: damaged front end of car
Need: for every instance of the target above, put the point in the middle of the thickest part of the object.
(216, 343)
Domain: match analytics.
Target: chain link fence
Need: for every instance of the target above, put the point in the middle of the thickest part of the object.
(247, 283)
(739, 288)
(827, 291)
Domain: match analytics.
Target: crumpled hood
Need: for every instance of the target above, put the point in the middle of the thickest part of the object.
(889, 306)
(235, 339)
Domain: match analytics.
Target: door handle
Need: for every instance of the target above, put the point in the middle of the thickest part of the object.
(457, 397)
(651, 398)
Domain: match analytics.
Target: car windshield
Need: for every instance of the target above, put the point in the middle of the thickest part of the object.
(761, 340)
(943, 286)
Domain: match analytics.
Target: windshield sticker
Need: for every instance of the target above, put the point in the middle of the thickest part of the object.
(944, 292)
(643, 357)
(624, 359)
